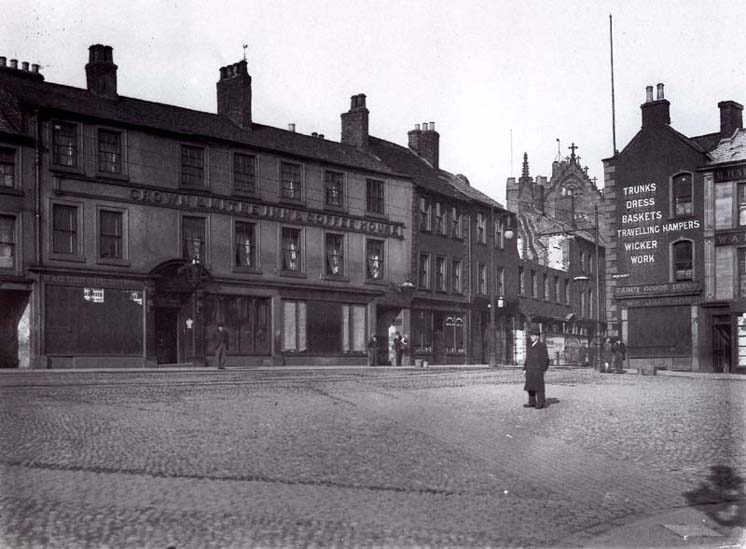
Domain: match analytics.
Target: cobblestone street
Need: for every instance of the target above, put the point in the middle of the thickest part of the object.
(359, 457)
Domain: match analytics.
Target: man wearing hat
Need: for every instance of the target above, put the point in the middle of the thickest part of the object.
(537, 362)
(222, 345)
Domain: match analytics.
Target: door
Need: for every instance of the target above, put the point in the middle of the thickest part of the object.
(166, 334)
(721, 349)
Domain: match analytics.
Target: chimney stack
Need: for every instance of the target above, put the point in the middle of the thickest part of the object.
(655, 113)
(234, 94)
(414, 138)
(355, 123)
(101, 72)
(429, 145)
(731, 118)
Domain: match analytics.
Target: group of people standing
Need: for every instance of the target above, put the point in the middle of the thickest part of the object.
(399, 348)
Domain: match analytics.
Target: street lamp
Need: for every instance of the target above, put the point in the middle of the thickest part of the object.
(508, 234)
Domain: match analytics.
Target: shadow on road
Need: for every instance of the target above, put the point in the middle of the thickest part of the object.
(551, 401)
(722, 486)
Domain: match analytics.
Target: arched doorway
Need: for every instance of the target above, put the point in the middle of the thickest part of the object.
(178, 307)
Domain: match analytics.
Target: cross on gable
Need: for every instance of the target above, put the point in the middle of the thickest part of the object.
(572, 149)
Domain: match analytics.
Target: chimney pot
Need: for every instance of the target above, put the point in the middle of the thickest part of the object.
(659, 92)
(321, 136)
(432, 126)
(291, 127)
(417, 127)
(314, 134)
(223, 73)
(14, 63)
(24, 66)
(2, 61)
(648, 94)
(35, 68)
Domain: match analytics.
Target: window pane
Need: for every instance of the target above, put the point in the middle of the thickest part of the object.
(7, 167)
(682, 194)
(65, 223)
(289, 321)
(290, 181)
(110, 234)
(291, 252)
(192, 166)
(374, 256)
(334, 257)
(244, 173)
(65, 144)
(333, 190)
(109, 151)
(7, 242)
(358, 328)
(193, 231)
(374, 202)
(245, 244)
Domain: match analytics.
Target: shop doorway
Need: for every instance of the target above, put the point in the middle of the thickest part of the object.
(721, 347)
(166, 335)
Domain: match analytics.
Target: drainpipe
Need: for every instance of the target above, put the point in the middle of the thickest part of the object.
(37, 187)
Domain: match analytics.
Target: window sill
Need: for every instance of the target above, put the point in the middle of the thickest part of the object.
(293, 274)
(194, 188)
(67, 257)
(376, 215)
(113, 262)
(112, 176)
(11, 190)
(335, 278)
(66, 169)
(246, 270)
(335, 209)
(292, 201)
(376, 282)
(245, 194)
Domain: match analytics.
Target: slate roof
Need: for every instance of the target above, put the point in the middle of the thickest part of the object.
(179, 120)
(731, 149)
(708, 141)
(405, 161)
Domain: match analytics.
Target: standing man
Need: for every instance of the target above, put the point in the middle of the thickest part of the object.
(222, 346)
(619, 349)
(372, 351)
(537, 362)
(398, 348)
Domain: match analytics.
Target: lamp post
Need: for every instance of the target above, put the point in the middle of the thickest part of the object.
(500, 303)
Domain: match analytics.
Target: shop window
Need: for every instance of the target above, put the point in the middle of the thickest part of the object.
(334, 189)
(65, 144)
(683, 260)
(65, 229)
(423, 331)
(7, 167)
(454, 334)
(424, 278)
(456, 277)
(110, 151)
(374, 259)
(742, 272)
(245, 317)
(244, 173)
(682, 195)
(354, 328)
(193, 234)
(334, 255)
(290, 181)
(110, 234)
(291, 250)
(192, 166)
(7, 242)
(294, 326)
(245, 245)
(374, 200)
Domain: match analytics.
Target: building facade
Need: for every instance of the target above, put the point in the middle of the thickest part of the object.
(658, 257)
(130, 229)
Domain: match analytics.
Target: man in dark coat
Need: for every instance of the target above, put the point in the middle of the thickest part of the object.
(221, 348)
(537, 362)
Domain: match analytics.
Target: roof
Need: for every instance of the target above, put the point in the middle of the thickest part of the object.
(404, 160)
(169, 118)
(731, 149)
(708, 141)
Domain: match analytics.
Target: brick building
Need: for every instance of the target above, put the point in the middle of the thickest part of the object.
(661, 253)
(129, 229)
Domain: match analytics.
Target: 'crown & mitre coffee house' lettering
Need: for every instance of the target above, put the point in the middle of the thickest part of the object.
(642, 221)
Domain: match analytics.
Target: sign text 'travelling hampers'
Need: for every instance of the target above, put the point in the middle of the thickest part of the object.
(645, 224)
(266, 211)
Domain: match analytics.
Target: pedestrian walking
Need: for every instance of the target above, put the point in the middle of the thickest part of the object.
(607, 356)
(537, 362)
(398, 348)
(221, 348)
(373, 351)
(618, 350)
(405, 350)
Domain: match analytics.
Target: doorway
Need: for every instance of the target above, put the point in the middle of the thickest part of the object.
(166, 335)
(721, 347)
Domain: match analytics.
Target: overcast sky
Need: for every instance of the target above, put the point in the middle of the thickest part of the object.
(479, 69)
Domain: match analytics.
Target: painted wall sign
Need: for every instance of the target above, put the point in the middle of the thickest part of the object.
(730, 238)
(665, 288)
(642, 224)
(265, 211)
(729, 174)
